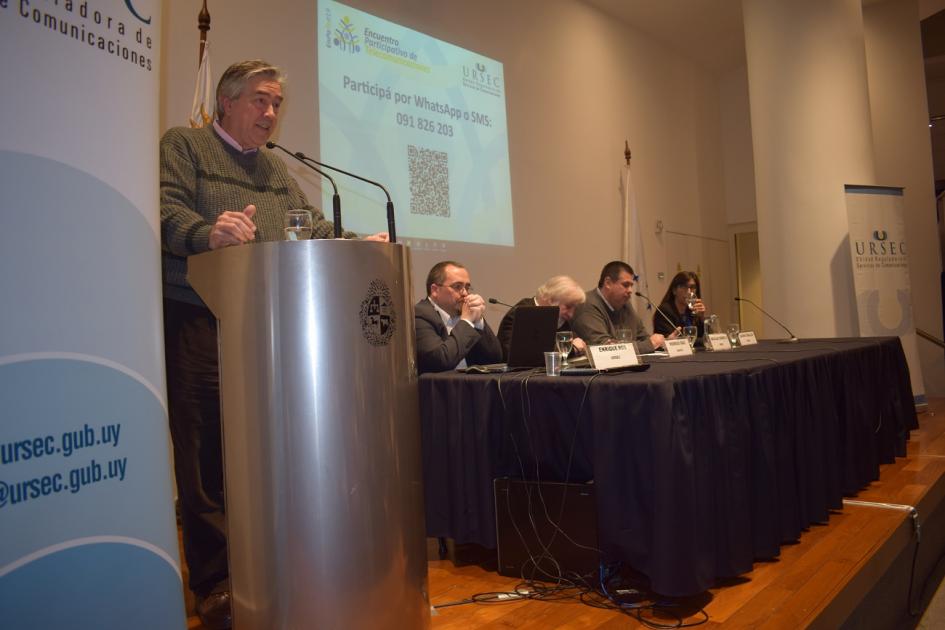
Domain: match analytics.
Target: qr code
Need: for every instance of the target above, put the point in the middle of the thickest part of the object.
(429, 181)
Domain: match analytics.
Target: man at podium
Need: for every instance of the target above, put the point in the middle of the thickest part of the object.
(219, 188)
(451, 328)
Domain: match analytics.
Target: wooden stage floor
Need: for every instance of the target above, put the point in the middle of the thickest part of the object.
(852, 572)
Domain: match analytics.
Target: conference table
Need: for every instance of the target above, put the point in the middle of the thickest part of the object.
(700, 464)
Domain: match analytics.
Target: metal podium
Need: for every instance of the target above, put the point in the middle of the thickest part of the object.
(321, 432)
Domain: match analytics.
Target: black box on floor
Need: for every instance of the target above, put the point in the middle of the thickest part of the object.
(529, 545)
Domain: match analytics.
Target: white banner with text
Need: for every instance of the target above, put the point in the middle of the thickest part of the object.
(86, 507)
(879, 254)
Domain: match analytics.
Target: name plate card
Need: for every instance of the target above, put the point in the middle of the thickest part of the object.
(717, 341)
(678, 347)
(613, 355)
(747, 338)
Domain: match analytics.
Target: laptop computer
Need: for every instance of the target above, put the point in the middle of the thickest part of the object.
(533, 334)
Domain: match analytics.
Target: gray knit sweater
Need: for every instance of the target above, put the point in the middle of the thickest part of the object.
(201, 177)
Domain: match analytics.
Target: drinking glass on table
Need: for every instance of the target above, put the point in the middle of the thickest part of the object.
(733, 330)
(298, 225)
(564, 341)
(622, 334)
(690, 333)
(553, 363)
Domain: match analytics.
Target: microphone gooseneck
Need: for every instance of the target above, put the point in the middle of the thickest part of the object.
(391, 227)
(793, 338)
(671, 322)
(495, 301)
(335, 198)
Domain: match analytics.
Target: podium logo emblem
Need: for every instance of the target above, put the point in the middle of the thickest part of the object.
(378, 319)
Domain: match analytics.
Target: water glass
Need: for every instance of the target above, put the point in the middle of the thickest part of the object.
(691, 299)
(553, 363)
(564, 340)
(298, 225)
(690, 333)
(733, 330)
(623, 335)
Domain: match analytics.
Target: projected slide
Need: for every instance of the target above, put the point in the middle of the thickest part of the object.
(423, 117)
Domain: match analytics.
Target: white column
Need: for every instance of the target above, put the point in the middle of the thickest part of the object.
(903, 155)
(811, 134)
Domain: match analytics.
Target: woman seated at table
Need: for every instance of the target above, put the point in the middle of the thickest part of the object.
(561, 291)
(676, 305)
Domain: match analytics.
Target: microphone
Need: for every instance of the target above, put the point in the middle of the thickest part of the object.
(793, 338)
(391, 228)
(335, 198)
(671, 322)
(495, 301)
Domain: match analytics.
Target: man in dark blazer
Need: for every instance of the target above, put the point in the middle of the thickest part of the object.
(561, 291)
(451, 329)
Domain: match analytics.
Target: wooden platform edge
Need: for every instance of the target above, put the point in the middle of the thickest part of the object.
(841, 606)
(874, 568)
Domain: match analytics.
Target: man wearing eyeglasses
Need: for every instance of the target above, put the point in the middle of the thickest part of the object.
(451, 329)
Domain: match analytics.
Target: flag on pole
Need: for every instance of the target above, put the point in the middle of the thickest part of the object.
(200, 111)
(633, 241)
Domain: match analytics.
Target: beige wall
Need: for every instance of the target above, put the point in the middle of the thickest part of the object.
(735, 150)
(930, 7)
(578, 85)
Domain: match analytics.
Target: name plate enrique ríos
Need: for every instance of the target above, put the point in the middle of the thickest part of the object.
(613, 355)
(678, 347)
(747, 338)
(717, 341)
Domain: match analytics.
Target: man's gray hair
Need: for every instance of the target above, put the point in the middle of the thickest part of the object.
(235, 78)
(561, 290)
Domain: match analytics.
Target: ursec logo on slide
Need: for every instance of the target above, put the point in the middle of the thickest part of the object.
(479, 78)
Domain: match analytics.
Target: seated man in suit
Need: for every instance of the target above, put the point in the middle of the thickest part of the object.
(608, 309)
(560, 291)
(451, 329)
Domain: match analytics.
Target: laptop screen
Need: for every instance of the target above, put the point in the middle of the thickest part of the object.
(533, 334)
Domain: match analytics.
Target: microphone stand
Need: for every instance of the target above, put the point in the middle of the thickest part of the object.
(793, 338)
(335, 198)
(495, 301)
(650, 302)
(391, 229)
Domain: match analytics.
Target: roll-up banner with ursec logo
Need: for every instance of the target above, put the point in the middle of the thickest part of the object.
(879, 252)
(86, 509)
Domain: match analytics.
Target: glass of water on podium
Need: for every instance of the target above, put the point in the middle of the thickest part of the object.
(298, 225)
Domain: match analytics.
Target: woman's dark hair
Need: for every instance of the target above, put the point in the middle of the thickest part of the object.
(682, 279)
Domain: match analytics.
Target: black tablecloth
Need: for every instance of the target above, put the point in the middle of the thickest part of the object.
(701, 464)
